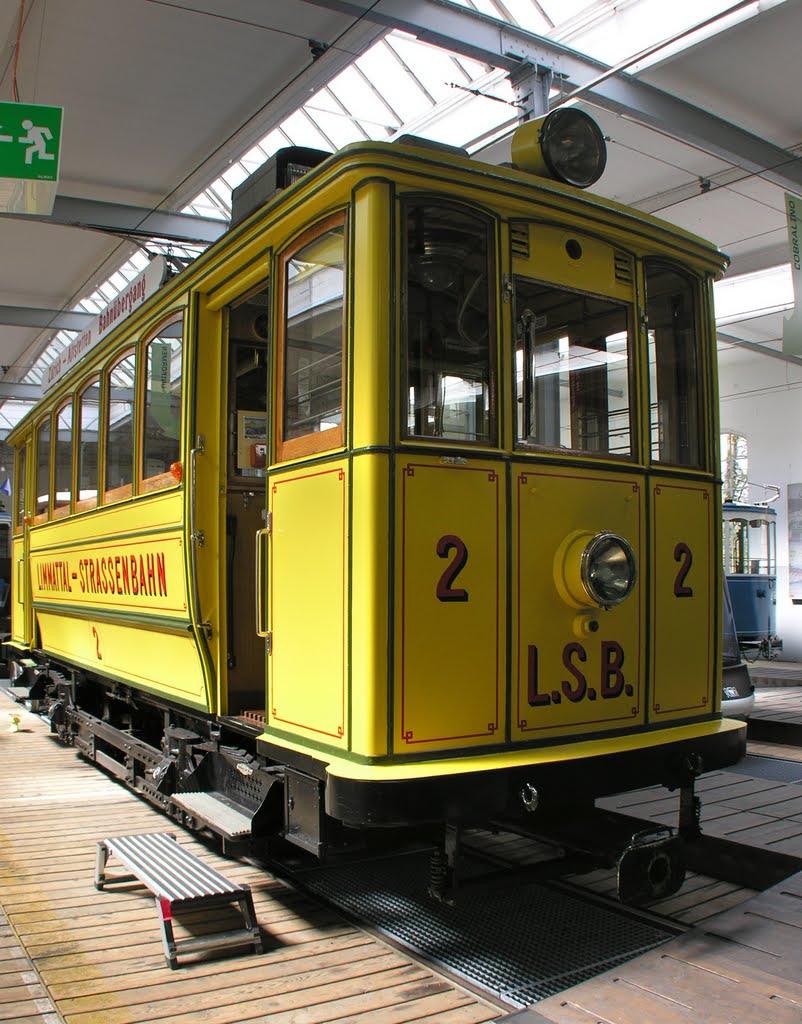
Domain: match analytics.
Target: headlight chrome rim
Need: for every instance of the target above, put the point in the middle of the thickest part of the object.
(598, 590)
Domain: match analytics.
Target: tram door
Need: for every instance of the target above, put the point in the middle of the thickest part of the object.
(248, 327)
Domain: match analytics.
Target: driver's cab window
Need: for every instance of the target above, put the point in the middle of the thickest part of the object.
(449, 324)
(572, 370)
(312, 348)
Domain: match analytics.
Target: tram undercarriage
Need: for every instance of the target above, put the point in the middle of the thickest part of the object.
(205, 773)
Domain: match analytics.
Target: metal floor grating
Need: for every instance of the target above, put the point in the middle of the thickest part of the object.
(520, 943)
(774, 768)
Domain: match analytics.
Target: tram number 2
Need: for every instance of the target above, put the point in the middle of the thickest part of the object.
(446, 591)
(683, 555)
(611, 680)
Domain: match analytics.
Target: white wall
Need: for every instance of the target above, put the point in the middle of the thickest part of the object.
(761, 398)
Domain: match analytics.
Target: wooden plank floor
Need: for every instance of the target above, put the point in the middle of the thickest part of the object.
(743, 966)
(76, 955)
(776, 673)
(757, 812)
(777, 716)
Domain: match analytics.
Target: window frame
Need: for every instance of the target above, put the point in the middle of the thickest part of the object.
(21, 485)
(700, 375)
(43, 517)
(84, 504)
(122, 491)
(315, 442)
(165, 480)
(495, 384)
(61, 511)
(523, 444)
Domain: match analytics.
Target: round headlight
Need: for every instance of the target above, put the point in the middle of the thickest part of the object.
(608, 569)
(566, 145)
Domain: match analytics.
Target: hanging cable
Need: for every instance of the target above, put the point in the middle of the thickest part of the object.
(14, 87)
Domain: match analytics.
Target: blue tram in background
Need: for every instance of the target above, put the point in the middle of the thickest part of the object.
(750, 566)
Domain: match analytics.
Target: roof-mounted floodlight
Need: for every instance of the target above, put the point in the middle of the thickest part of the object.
(566, 145)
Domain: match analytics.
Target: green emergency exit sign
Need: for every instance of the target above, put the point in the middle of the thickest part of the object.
(30, 141)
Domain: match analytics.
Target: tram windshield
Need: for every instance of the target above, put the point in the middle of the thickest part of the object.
(750, 545)
(572, 370)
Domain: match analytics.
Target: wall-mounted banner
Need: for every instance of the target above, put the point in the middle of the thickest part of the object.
(129, 299)
(792, 325)
(30, 151)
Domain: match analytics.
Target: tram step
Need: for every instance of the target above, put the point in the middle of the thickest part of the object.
(220, 816)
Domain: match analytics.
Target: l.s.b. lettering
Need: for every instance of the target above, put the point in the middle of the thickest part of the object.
(610, 683)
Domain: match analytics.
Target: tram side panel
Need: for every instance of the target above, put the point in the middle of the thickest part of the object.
(450, 602)
(109, 593)
(686, 662)
(308, 601)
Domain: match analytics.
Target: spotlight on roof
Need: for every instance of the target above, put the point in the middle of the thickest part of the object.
(566, 145)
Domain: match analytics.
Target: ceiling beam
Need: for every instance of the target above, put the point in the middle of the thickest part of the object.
(55, 319)
(484, 38)
(116, 218)
(762, 350)
(21, 392)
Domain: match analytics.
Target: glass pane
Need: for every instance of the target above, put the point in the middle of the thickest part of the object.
(734, 467)
(313, 356)
(572, 370)
(449, 325)
(761, 546)
(19, 483)
(120, 424)
(88, 442)
(248, 322)
(674, 366)
(63, 457)
(43, 469)
(736, 546)
(161, 443)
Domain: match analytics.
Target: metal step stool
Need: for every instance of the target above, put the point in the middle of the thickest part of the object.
(178, 881)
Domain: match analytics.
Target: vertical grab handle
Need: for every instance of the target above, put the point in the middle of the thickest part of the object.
(196, 537)
(20, 591)
(261, 629)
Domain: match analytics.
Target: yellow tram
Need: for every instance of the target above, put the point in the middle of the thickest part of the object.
(398, 506)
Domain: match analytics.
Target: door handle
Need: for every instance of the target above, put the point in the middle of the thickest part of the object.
(261, 625)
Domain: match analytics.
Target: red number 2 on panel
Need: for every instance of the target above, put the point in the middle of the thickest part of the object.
(446, 591)
(683, 555)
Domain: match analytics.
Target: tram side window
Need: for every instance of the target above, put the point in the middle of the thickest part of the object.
(311, 418)
(674, 366)
(62, 497)
(20, 482)
(42, 508)
(162, 434)
(572, 370)
(120, 429)
(87, 450)
(449, 324)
